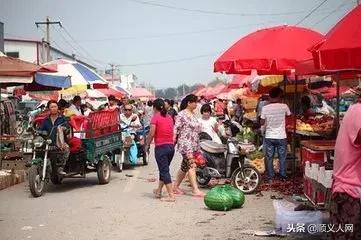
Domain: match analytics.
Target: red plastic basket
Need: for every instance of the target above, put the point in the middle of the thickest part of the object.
(312, 157)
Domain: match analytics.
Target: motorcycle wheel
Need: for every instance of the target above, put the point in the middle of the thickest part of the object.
(19, 129)
(56, 179)
(201, 179)
(250, 183)
(36, 184)
(104, 170)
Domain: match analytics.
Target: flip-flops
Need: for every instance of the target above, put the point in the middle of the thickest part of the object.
(178, 191)
(198, 195)
(157, 194)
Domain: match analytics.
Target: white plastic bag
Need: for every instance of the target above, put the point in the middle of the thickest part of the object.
(286, 216)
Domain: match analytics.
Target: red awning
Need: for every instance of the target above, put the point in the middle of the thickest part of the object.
(15, 67)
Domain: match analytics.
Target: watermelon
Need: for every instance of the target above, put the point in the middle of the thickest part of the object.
(236, 194)
(218, 199)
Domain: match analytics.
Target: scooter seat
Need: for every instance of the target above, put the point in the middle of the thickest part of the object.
(213, 147)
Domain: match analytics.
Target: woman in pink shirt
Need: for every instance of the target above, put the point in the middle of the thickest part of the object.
(346, 187)
(161, 129)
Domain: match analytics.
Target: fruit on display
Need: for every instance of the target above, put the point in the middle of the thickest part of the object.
(236, 194)
(302, 126)
(257, 159)
(218, 199)
(250, 115)
(255, 155)
(318, 123)
(246, 135)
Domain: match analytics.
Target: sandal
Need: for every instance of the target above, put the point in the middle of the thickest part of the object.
(178, 191)
(198, 195)
(157, 194)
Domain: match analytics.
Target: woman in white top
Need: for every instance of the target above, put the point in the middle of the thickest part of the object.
(209, 124)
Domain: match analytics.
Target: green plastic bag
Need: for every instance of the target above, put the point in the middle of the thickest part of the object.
(236, 194)
(218, 199)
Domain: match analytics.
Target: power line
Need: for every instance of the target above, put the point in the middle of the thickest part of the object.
(170, 61)
(80, 47)
(75, 50)
(330, 13)
(312, 11)
(179, 33)
(215, 12)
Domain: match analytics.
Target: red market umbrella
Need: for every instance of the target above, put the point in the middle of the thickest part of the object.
(141, 93)
(201, 92)
(341, 47)
(238, 81)
(44, 95)
(212, 92)
(308, 68)
(110, 91)
(330, 92)
(270, 51)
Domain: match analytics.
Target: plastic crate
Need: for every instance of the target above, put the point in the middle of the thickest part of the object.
(311, 156)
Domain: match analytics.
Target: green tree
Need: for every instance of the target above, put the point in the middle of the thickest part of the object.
(183, 89)
(159, 93)
(170, 93)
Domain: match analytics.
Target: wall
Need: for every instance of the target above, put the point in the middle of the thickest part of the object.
(27, 50)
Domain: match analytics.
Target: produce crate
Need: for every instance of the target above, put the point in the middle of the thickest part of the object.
(259, 164)
(10, 178)
(16, 164)
(292, 88)
(249, 103)
(311, 156)
(316, 192)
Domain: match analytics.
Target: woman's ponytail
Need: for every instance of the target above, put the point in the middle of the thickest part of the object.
(160, 106)
(163, 112)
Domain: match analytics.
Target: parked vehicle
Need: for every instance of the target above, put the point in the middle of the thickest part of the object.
(132, 140)
(228, 161)
(93, 155)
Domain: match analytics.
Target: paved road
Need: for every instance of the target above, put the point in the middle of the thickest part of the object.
(124, 209)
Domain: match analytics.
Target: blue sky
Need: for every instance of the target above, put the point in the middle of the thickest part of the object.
(167, 42)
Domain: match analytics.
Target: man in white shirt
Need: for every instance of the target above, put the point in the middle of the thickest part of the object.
(75, 106)
(273, 116)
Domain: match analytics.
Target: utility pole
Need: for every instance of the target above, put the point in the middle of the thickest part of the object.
(113, 67)
(48, 23)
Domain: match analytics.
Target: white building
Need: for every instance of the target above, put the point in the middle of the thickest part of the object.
(127, 82)
(35, 51)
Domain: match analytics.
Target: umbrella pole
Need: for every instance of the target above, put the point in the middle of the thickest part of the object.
(1, 133)
(284, 87)
(338, 103)
(294, 129)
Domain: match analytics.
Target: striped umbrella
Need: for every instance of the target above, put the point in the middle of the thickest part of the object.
(81, 77)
